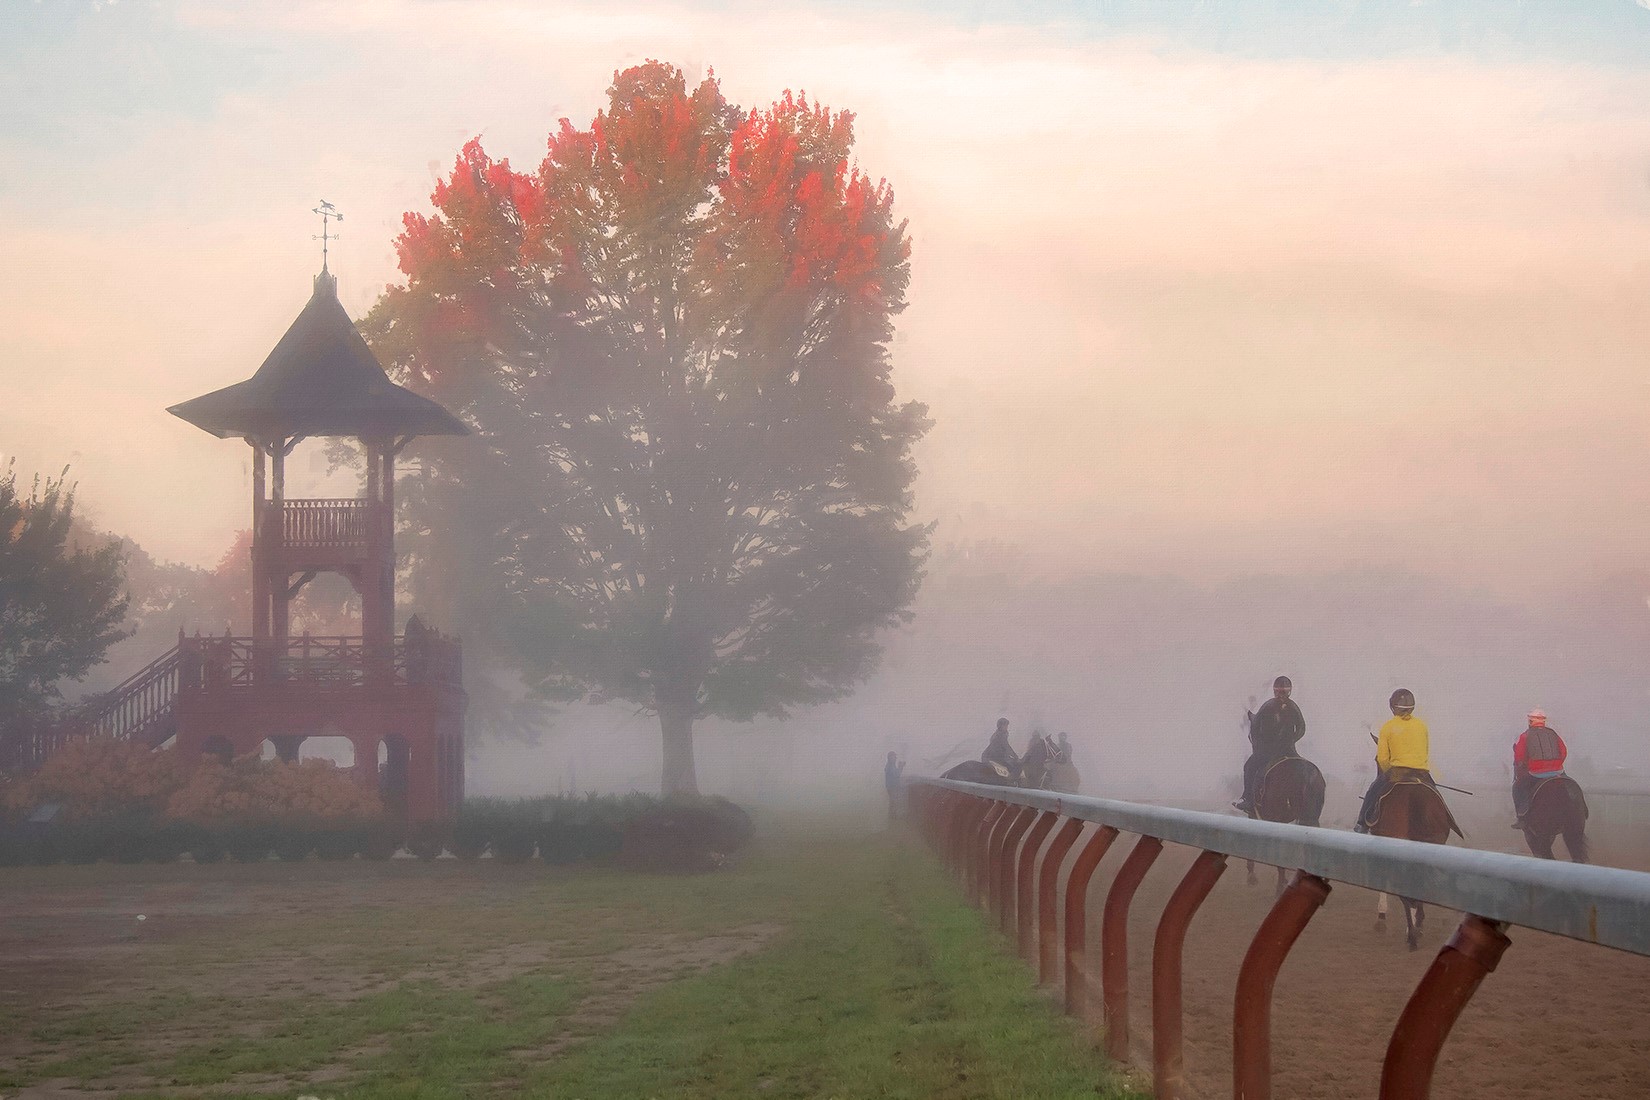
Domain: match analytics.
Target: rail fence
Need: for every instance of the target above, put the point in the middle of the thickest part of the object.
(991, 838)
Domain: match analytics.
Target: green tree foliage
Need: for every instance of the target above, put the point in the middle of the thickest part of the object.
(673, 338)
(61, 604)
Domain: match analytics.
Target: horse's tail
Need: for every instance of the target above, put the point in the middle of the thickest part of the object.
(1575, 823)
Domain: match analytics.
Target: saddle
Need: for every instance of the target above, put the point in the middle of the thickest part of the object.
(1576, 794)
(1410, 777)
(1274, 765)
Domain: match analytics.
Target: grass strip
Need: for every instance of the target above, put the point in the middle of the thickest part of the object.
(888, 987)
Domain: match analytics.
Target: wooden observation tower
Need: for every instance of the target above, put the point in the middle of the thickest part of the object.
(398, 696)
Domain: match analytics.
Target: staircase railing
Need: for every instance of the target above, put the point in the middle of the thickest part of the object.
(138, 709)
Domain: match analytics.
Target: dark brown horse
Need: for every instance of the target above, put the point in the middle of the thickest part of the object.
(1413, 810)
(1557, 808)
(1291, 791)
(980, 771)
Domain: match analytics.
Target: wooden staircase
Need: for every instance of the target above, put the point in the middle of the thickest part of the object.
(141, 709)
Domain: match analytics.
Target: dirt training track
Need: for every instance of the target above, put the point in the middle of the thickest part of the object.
(1556, 1018)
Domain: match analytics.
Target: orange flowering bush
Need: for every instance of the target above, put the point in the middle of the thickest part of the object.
(100, 777)
(256, 790)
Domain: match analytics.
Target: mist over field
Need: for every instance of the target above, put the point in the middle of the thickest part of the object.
(1257, 340)
(1150, 676)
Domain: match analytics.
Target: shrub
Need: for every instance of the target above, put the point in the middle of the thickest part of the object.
(470, 835)
(203, 844)
(101, 777)
(686, 836)
(335, 842)
(248, 843)
(382, 841)
(426, 841)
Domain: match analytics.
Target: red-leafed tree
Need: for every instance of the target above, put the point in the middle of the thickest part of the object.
(673, 336)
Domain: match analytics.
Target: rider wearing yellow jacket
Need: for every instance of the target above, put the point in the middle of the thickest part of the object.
(1402, 751)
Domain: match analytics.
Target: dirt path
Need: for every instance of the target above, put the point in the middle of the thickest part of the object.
(1554, 1010)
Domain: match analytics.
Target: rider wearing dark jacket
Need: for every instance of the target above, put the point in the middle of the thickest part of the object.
(999, 751)
(1273, 731)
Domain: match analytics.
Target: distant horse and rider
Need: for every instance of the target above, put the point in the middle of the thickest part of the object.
(1548, 803)
(1404, 800)
(1278, 783)
(1045, 765)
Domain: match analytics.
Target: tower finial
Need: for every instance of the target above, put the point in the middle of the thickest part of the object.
(328, 216)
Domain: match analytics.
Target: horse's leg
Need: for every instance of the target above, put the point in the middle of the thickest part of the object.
(1412, 927)
(1251, 865)
(1575, 841)
(1380, 912)
(1540, 844)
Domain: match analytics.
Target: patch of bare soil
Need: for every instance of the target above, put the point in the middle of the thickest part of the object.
(78, 940)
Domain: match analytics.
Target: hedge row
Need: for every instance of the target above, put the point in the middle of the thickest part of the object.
(559, 830)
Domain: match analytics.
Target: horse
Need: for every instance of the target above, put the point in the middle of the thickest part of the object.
(1291, 791)
(1557, 807)
(980, 771)
(1413, 810)
(1035, 764)
(994, 774)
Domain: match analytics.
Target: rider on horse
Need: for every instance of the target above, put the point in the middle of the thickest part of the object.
(1273, 731)
(1538, 754)
(999, 751)
(1402, 752)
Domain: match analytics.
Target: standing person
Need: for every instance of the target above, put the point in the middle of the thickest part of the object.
(891, 772)
(999, 751)
(1539, 753)
(1403, 750)
(1063, 749)
(1273, 731)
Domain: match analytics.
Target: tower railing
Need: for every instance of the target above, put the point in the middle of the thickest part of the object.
(143, 708)
(319, 662)
(325, 524)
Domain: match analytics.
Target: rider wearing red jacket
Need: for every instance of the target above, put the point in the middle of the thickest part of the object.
(1538, 754)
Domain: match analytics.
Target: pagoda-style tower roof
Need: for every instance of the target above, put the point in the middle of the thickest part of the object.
(320, 380)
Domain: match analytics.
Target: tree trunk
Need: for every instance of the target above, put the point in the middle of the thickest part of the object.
(676, 723)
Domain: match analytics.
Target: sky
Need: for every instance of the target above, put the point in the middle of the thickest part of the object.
(1199, 291)
(1248, 291)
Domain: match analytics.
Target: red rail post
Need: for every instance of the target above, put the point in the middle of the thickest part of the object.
(1003, 881)
(1048, 895)
(964, 825)
(948, 805)
(1023, 915)
(1114, 944)
(986, 885)
(1077, 919)
(1471, 953)
(1168, 1062)
(978, 843)
(1252, 1010)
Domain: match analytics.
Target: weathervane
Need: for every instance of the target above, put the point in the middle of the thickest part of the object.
(328, 216)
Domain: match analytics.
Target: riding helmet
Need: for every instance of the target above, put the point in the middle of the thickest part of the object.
(1402, 701)
(1282, 684)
